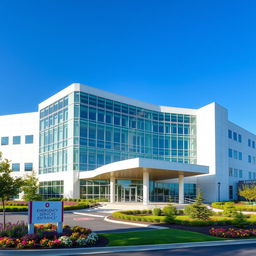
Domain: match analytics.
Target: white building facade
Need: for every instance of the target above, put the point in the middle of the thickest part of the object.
(89, 143)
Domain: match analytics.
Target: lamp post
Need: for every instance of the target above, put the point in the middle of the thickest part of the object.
(218, 191)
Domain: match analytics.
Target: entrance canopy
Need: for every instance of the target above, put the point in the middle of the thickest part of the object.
(134, 168)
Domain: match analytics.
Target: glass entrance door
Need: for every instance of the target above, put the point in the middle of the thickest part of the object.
(129, 194)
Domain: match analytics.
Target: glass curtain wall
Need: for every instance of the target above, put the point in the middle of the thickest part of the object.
(132, 190)
(107, 131)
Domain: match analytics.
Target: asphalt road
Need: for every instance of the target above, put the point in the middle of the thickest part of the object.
(97, 224)
(237, 250)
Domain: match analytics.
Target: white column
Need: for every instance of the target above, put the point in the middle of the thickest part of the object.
(112, 189)
(181, 189)
(145, 187)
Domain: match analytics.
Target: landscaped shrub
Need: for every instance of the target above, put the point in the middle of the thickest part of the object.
(169, 210)
(157, 211)
(240, 220)
(229, 210)
(15, 230)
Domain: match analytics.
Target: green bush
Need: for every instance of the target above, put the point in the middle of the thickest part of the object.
(157, 212)
(240, 220)
(170, 218)
(169, 210)
(229, 210)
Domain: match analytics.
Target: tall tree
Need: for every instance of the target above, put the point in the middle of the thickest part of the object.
(9, 186)
(31, 187)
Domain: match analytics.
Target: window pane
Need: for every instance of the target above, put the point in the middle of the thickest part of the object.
(29, 139)
(28, 166)
(16, 140)
(5, 141)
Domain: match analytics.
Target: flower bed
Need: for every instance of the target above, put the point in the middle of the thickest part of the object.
(46, 236)
(232, 233)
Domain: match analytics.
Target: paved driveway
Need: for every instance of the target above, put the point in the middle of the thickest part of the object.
(90, 220)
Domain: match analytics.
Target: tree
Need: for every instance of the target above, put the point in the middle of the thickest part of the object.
(198, 210)
(9, 186)
(30, 188)
(248, 192)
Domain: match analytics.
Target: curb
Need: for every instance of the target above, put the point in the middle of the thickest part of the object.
(88, 214)
(117, 249)
(134, 224)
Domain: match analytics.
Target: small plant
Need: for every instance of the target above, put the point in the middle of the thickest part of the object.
(91, 238)
(170, 209)
(170, 218)
(240, 220)
(157, 211)
(66, 241)
(229, 210)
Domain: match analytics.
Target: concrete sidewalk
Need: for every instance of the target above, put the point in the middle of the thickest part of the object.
(117, 249)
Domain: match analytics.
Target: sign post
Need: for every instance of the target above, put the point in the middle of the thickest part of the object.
(44, 212)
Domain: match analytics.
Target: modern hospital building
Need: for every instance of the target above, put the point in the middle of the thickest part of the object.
(88, 143)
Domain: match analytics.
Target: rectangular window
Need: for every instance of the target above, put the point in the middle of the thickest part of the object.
(240, 138)
(4, 141)
(250, 175)
(230, 171)
(16, 167)
(28, 167)
(235, 154)
(240, 156)
(249, 159)
(253, 144)
(235, 173)
(235, 136)
(254, 175)
(230, 153)
(29, 139)
(16, 140)
(249, 142)
(240, 174)
(230, 192)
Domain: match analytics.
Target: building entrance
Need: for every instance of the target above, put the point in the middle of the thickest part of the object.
(129, 194)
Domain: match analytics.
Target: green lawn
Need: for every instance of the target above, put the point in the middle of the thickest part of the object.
(162, 236)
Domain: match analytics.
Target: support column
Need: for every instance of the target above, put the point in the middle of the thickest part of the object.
(112, 189)
(145, 187)
(181, 189)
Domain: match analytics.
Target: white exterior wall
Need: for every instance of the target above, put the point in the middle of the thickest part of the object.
(243, 164)
(20, 125)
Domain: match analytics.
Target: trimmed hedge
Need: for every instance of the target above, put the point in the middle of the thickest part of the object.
(239, 207)
(182, 220)
(16, 208)
(127, 215)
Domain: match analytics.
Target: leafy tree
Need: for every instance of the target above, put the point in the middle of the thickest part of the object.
(9, 186)
(30, 188)
(198, 210)
(248, 192)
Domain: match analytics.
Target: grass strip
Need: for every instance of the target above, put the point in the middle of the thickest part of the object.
(156, 237)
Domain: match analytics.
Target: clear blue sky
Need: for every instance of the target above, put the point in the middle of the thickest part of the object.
(174, 52)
